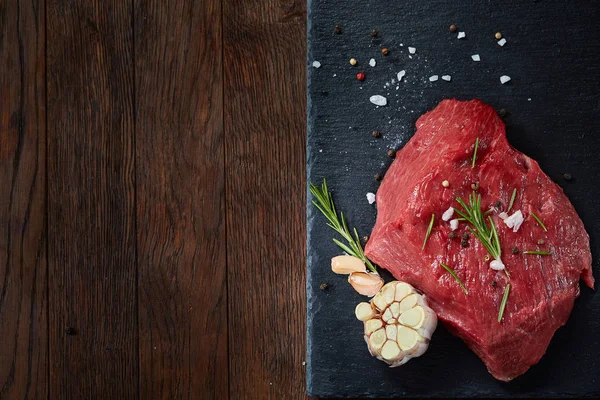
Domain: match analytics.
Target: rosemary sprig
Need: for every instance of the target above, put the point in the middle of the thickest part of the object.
(429, 228)
(475, 153)
(487, 235)
(539, 221)
(512, 200)
(325, 204)
(456, 278)
(539, 253)
(503, 304)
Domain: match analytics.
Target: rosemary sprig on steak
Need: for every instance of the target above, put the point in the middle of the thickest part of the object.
(487, 234)
(338, 223)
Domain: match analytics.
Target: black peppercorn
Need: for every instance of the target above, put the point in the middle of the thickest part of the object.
(324, 286)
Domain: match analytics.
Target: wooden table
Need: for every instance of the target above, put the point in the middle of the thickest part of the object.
(152, 199)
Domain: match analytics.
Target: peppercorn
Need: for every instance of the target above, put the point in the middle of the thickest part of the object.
(324, 286)
(452, 28)
(464, 243)
(502, 112)
(465, 236)
(374, 33)
(541, 241)
(353, 61)
(385, 51)
(498, 204)
(515, 250)
(337, 29)
(360, 76)
(70, 331)
(494, 283)
(475, 185)
(498, 35)
(391, 153)
(377, 177)
(376, 134)
(453, 235)
(567, 177)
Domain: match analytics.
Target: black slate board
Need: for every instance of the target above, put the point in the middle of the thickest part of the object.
(553, 57)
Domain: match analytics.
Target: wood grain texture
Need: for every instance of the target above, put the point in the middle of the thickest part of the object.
(23, 290)
(264, 111)
(180, 195)
(91, 214)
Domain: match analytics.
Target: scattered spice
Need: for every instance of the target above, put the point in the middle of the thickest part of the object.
(515, 250)
(391, 153)
(324, 286)
(70, 331)
(353, 61)
(502, 112)
(385, 51)
(498, 35)
(337, 29)
(452, 28)
(567, 177)
(494, 283)
(377, 177)
(360, 76)
(376, 134)
(445, 183)
(475, 185)
(453, 235)
(374, 33)
(541, 241)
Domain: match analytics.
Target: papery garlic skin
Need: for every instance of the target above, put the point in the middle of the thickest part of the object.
(398, 323)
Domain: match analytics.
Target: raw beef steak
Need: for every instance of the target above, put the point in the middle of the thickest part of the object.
(543, 287)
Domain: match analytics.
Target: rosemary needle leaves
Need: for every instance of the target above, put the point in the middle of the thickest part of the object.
(539, 253)
(512, 200)
(475, 153)
(456, 278)
(487, 235)
(324, 202)
(429, 228)
(539, 221)
(503, 304)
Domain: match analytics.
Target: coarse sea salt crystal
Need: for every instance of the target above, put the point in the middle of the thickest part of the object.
(504, 79)
(401, 75)
(378, 100)
(475, 57)
(454, 224)
(448, 214)
(371, 198)
(447, 78)
(502, 42)
(316, 64)
(461, 35)
(412, 50)
(372, 62)
(433, 78)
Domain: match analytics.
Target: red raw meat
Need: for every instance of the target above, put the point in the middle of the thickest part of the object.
(543, 288)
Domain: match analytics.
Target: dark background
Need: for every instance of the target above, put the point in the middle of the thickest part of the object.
(552, 55)
(152, 180)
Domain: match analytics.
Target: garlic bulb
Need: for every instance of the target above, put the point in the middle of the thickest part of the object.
(398, 323)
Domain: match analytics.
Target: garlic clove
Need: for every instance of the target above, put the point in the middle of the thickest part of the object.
(409, 302)
(365, 284)
(390, 351)
(364, 311)
(403, 289)
(372, 325)
(377, 339)
(347, 264)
